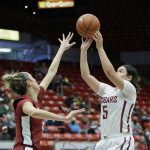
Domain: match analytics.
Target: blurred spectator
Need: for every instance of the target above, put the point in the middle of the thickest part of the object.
(39, 77)
(144, 116)
(74, 126)
(40, 71)
(94, 127)
(148, 114)
(66, 82)
(4, 134)
(3, 109)
(9, 122)
(84, 125)
(140, 144)
(74, 106)
(147, 136)
(36, 69)
(53, 123)
(4, 104)
(136, 127)
(1, 123)
(78, 99)
(43, 68)
(58, 84)
(69, 100)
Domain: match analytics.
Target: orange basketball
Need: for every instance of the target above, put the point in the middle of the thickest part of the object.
(87, 25)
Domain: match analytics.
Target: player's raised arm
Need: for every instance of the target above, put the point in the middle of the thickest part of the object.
(64, 45)
(106, 64)
(85, 72)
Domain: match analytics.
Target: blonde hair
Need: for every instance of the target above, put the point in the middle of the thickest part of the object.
(16, 82)
(7, 78)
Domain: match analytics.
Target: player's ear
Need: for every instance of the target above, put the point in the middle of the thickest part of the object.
(129, 78)
(29, 82)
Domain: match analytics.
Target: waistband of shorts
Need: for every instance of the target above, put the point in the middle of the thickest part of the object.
(116, 135)
(25, 145)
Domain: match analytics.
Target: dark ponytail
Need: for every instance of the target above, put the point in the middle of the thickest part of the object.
(135, 76)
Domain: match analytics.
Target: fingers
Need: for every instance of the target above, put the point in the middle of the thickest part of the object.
(87, 40)
(68, 38)
(90, 40)
(70, 35)
(97, 36)
(73, 43)
(95, 39)
(63, 37)
(82, 39)
(59, 40)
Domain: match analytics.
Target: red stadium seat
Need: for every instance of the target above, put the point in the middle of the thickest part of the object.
(52, 129)
(92, 137)
(78, 137)
(146, 125)
(138, 138)
(48, 136)
(46, 145)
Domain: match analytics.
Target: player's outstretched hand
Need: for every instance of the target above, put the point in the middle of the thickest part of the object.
(74, 113)
(98, 39)
(65, 42)
(86, 43)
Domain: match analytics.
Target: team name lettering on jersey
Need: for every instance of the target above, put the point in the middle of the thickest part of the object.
(112, 99)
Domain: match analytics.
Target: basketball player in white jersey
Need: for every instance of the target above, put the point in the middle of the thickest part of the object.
(117, 102)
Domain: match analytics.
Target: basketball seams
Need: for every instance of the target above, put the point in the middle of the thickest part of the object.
(82, 32)
(87, 25)
(84, 26)
(90, 23)
(89, 34)
(95, 28)
(80, 27)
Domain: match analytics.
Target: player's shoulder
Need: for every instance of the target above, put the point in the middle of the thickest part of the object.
(129, 91)
(21, 100)
(129, 85)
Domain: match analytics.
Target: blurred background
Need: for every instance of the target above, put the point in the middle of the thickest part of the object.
(29, 32)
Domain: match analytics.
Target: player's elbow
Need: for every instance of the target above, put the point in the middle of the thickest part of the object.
(84, 76)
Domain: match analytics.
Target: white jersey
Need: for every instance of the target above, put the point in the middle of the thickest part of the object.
(116, 108)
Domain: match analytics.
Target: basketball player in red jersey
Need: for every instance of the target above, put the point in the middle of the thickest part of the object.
(27, 108)
(117, 103)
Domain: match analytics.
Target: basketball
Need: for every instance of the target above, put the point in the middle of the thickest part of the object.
(87, 25)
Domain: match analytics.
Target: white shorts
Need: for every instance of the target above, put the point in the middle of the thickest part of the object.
(28, 148)
(116, 143)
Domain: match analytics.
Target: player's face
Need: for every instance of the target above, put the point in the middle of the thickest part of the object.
(33, 83)
(122, 72)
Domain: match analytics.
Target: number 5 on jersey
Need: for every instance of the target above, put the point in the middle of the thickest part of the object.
(105, 112)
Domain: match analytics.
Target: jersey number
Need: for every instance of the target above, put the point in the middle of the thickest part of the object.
(105, 112)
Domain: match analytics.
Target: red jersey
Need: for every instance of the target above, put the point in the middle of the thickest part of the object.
(28, 129)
